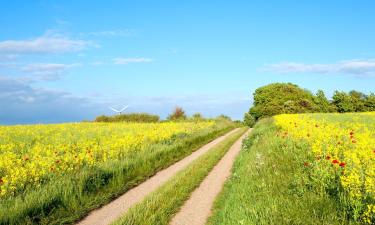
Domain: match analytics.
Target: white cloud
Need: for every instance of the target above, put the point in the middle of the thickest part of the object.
(46, 71)
(361, 68)
(48, 43)
(124, 61)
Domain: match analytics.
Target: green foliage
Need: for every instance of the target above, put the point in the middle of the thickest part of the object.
(197, 117)
(177, 114)
(370, 102)
(323, 103)
(249, 120)
(281, 98)
(223, 117)
(271, 185)
(131, 117)
(343, 102)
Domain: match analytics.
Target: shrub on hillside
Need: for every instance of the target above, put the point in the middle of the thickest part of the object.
(131, 117)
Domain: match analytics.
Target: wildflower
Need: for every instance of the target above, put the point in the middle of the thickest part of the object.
(1, 181)
(354, 141)
(328, 157)
(342, 164)
(306, 164)
(335, 161)
(351, 133)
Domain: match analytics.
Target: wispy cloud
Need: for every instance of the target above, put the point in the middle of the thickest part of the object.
(47, 43)
(46, 71)
(360, 68)
(124, 61)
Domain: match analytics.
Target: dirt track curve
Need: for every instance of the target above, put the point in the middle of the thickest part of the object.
(112, 211)
(197, 209)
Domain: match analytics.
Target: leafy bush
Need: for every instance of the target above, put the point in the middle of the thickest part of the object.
(132, 117)
(249, 120)
(279, 98)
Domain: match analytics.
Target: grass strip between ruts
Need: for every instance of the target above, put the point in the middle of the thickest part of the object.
(160, 206)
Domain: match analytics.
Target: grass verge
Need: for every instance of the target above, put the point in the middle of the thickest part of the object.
(268, 185)
(159, 207)
(68, 199)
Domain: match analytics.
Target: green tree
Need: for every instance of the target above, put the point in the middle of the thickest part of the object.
(249, 120)
(323, 103)
(278, 98)
(358, 100)
(343, 102)
(197, 116)
(370, 102)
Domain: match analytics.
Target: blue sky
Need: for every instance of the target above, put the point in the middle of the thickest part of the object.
(69, 60)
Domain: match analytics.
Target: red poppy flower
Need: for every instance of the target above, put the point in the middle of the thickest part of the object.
(342, 164)
(328, 157)
(306, 164)
(335, 161)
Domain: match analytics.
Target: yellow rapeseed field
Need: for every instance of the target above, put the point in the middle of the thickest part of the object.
(32, 154)
(344, 142)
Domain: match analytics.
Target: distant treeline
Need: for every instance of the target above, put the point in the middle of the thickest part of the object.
(278, 98)
(131, 117)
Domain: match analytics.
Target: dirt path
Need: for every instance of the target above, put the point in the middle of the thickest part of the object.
(110, 212)
(197, 208)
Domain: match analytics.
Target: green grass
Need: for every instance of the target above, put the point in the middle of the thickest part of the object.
(69, 198)
(159, 207)
(268, 185)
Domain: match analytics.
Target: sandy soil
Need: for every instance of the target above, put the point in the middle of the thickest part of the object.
(110, 212)
(197, 209)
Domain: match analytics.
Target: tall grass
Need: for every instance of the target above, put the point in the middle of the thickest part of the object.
(269, 185)
(70, 197)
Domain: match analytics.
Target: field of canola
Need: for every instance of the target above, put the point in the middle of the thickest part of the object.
(32, 154)
(343, 147)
